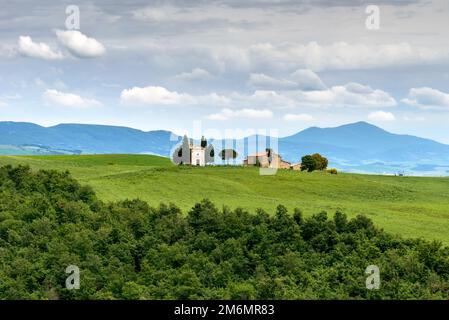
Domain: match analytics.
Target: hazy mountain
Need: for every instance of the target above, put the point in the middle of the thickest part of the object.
(363, 142)
(356, 147)
(86, 138)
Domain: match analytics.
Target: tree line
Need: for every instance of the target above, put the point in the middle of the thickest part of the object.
(130, 250)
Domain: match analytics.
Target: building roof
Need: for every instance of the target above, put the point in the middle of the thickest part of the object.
(259, 154)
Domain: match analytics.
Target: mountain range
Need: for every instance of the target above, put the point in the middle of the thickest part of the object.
(357, 147)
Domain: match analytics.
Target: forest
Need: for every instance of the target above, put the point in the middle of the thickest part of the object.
(131, 250)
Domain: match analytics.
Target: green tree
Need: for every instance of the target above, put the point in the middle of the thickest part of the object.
(130, 250)
(227, 154)
(210, 153)
(203, 142)
(321, 162)
(308, 163)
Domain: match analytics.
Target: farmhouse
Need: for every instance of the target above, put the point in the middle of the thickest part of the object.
(296, 166)
(266, 159)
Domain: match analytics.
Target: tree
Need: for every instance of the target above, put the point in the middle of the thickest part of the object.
(227, 154)
(313, 162)
(131, 250)
(308, 163)
(321, 162)
(181, 154)
(270, 153)
(210, 154)
(203, 142)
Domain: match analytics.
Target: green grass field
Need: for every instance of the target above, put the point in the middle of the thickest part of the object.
(410, 206)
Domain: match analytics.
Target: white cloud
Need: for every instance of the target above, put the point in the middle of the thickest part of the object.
(157, 13)
(381, 116)
(29, 48)
(262, 98)
(65, 99)
(349, 95)
(196, 74)
(302, 117)
(80, 45)
(188, 14)
(342, 55)
(260, 80)
(301, 79)
(227, 114)
(154, 96)
(307, 80)
(3, 104)
(427, 98)
(160, 96)
(311, 91)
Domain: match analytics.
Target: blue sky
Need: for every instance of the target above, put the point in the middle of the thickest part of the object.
(224, 65)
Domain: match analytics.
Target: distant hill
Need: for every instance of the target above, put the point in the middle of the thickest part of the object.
(357, 147)
(85, 138)
(362, 141)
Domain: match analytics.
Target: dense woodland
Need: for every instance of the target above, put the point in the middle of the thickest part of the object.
(129, 250)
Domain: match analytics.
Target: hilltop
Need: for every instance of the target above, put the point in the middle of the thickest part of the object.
(410, 206)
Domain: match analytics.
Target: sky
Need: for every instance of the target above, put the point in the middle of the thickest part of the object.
(227, 67)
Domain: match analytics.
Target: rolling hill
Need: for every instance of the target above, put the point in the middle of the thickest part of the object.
(356, 147)
(410, 206)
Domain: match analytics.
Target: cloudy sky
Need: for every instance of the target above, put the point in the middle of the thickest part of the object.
(280, 65)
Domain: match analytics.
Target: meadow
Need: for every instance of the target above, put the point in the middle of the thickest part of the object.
(410, 206)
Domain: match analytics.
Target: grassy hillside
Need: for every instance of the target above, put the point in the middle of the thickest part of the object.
(410, 206)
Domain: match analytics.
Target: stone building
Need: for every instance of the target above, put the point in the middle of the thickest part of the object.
(266, 159)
